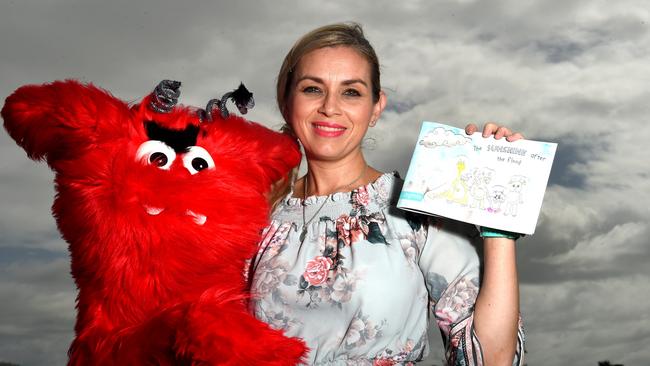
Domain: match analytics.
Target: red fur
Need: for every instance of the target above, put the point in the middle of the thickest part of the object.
(155, 289)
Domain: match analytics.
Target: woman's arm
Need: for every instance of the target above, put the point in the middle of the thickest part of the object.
(496, 313)
(450, 263)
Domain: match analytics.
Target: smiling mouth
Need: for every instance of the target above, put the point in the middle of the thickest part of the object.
(198, 218)
(328, 129)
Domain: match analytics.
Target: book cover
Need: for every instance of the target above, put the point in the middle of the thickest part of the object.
(479, 180)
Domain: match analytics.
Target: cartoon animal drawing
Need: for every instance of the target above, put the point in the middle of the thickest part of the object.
(514, 196)
(478, 188)
(497, 198)
(458, 191)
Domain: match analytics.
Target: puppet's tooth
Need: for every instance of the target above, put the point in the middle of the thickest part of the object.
(197, 218)
(153, 211)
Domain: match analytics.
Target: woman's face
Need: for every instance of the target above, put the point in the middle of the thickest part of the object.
(330, 105)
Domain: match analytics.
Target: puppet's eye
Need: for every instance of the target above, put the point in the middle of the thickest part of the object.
(156, 153)
(196, 159)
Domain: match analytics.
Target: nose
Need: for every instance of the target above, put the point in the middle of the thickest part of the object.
(329, 105)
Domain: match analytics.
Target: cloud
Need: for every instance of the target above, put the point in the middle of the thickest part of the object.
(570, 159)
(37, 311)
(581, 321)
(441, 137)
(573, 72)
(624, 241)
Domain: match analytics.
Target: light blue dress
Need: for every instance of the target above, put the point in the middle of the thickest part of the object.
(359, 287)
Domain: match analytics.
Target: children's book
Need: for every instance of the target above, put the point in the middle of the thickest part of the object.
(483, 181)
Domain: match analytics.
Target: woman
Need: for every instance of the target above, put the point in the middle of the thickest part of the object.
(344, 270)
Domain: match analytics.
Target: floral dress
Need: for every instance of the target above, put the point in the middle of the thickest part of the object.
(359, 287)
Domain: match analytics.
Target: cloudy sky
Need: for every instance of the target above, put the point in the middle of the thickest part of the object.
(576, 72)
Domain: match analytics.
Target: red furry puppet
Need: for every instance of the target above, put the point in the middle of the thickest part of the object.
(161, 206)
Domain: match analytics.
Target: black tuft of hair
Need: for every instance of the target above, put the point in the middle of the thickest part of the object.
(179, 140)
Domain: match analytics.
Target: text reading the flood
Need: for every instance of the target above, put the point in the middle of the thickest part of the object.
(506, 150)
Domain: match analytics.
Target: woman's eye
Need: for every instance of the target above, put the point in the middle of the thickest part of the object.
(351, 93)
(156, 153)
(310, 90)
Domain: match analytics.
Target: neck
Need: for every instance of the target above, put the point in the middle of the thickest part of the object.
(327, 177)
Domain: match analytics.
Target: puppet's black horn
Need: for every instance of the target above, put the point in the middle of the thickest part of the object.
(242, 98)
(165, 96)
(206, 114)
(222, 105)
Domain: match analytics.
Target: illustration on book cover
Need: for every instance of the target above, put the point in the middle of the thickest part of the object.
(479, 180)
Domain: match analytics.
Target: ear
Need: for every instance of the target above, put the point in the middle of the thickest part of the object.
(378, 108)
(57, 120)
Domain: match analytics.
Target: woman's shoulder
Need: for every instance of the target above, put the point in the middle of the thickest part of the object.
(386, 188)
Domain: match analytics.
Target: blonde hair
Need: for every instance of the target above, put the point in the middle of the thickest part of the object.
(338, 34)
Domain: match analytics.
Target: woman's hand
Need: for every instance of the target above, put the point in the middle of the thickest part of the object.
(492, 128)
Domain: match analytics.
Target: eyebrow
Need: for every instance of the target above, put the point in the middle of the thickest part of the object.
(320, 81)
(179, 140)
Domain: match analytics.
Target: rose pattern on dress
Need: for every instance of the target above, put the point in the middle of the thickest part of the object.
(362, 330)
(409, 243)
(342, 289)
(382, 192)
(274, 239)
(336, 288)
(361, 197)
(317, 270)
(337, 235)
(335, 291)
(268, 276)
(267, 234)
(276, 320)
(402, 352)
(383, 362)
(456, 302)
(349, 230)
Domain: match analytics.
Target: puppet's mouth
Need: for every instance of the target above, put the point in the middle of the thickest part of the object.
(198, 219)
(153, 211)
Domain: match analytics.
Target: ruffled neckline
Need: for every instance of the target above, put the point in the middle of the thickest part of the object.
(383, 182)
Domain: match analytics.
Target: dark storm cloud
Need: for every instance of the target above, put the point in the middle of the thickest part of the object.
(573, 72)
(127, 47)
(571, 153)
(15, 249)
(37, 295)
(399, 106)
(560, 51)
(595, 247)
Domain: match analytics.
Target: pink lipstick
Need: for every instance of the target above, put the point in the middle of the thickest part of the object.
(328, 129)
